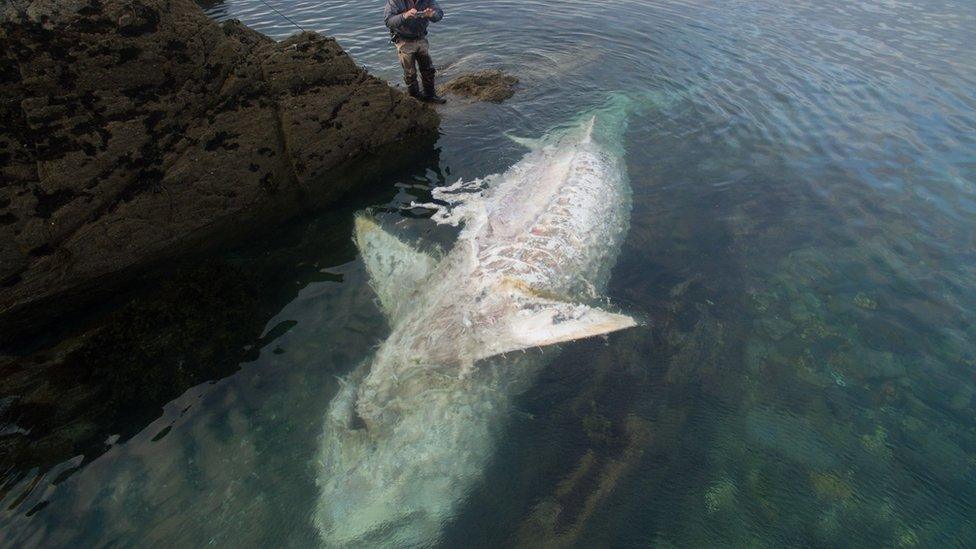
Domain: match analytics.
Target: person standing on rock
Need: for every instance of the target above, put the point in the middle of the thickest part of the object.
(407, 21)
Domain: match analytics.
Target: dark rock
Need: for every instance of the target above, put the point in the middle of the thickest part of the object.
(135, 131)
(484, 85)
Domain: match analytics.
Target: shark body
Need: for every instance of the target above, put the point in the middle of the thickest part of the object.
(410, 432)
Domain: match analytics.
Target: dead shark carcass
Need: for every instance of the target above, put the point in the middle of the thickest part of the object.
(411, 431)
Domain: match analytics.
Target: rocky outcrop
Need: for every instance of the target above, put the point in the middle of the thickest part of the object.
(135, 130)
(484, 85)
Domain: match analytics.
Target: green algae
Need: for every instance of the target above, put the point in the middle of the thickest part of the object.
(865, 302)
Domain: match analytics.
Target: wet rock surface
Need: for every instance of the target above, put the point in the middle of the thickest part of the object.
(484, 85)
(135, 131)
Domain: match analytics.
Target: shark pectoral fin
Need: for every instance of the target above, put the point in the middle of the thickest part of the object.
(555, 322)
(532, 143)
(395, 267)
(539, 322)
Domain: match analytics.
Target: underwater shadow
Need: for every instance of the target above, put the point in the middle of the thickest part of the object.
(104, 373)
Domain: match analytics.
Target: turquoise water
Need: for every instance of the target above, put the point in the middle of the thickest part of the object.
(802, 243)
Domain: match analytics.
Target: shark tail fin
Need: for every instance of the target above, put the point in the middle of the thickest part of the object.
(588, 128)
(537, 321)
(395, 268)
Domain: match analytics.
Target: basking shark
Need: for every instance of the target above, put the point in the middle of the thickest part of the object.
(410, 432)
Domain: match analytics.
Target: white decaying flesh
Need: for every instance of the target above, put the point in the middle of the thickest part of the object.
(411, 430)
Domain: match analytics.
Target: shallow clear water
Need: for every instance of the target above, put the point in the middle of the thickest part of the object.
(803, 246)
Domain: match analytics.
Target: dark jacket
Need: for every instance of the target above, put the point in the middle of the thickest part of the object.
(410, 29)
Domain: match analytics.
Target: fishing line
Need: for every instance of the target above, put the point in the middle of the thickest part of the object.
(272, 8)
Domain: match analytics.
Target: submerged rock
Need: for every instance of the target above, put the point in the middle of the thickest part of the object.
(720, 496)
(137, 130)
(484, 85)
(793, 437)
(113, 378)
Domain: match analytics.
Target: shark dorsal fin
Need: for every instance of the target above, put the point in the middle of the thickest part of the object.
(395, 268)
(537, 321)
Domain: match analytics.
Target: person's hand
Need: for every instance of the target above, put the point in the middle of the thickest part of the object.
(410, 13)
(429, 12)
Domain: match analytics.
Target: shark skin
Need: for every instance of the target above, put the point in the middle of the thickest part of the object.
(411, 431)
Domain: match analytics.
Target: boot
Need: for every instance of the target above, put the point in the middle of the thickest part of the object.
(414, 90)
(430, 93)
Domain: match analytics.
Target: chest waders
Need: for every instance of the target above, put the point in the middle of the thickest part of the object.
(414, 53)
